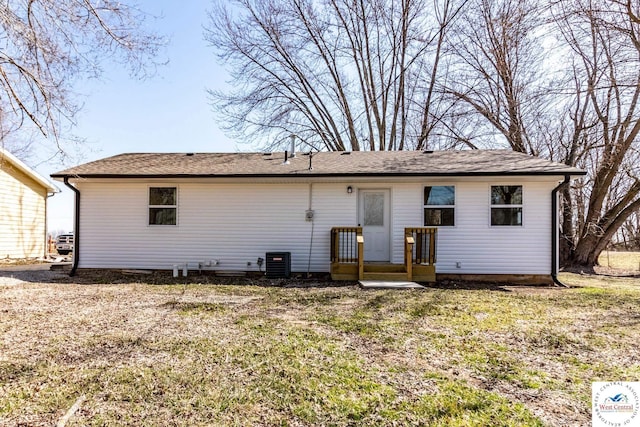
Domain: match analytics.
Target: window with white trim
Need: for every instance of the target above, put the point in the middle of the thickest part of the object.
(506, 205)
(439, 205)
(163, 205)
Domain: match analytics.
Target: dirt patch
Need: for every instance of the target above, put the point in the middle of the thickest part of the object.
(218, 299)
(103, 276)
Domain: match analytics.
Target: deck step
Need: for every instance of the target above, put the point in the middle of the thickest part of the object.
(376, 275)
(384, 268)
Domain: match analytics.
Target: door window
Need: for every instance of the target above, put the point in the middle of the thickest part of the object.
(373, 209)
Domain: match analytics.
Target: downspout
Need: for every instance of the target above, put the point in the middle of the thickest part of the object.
(76, 228)
(46, 226)
(554, 231)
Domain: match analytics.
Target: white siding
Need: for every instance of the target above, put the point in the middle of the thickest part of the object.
(22, 214)
(333, 207)
(237, 223)
(406, 211)
(483, 249)
(232, 223)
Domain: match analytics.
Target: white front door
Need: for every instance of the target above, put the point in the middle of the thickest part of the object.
(373, 216)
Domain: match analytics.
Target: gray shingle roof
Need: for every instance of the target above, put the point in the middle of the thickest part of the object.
(363, 163)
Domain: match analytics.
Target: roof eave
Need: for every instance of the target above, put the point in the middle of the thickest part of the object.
(322, 175)
(22, 167)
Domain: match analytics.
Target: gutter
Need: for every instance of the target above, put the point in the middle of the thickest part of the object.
(304, 173)
(76, 228)
(554, 231)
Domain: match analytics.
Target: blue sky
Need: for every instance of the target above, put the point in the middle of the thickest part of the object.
(167, 113)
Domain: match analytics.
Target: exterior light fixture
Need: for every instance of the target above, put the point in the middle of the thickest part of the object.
(349, 189)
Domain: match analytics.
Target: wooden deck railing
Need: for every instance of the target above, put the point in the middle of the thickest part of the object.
(347, 255)
(424, 247)
(344, 244)
(408, 255)
(420, 253)
(347, 251)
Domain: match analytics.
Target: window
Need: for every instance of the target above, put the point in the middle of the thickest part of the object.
(439, 205)
(373, 209)
(163, 205)
(506, 205)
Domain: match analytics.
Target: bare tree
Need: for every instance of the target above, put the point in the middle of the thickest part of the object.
(628, 236)
(605, 114)
(46, 45)
(588, 119)
(341, 74)
(392, 75)
(435, 107)
(497, 72)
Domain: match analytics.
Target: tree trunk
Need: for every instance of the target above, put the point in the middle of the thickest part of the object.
(585, 253)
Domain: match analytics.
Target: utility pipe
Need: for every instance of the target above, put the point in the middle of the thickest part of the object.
(310, 206)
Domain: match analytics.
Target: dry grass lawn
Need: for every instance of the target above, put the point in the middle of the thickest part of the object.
(196, 354)
(627, 261)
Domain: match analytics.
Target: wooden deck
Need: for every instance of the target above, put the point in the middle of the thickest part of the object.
(347, 257)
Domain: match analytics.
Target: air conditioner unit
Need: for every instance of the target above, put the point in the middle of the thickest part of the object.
(278, 265)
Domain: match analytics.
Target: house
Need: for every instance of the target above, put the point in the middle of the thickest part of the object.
(23, 207)
(411, 214)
